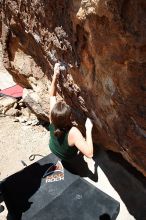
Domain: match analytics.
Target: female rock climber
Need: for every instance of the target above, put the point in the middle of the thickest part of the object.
(65, 139)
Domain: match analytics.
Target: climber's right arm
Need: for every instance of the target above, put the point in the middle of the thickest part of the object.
(52, 90)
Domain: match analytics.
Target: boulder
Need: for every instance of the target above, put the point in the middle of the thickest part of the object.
(103, 44)
(12, 112)
(6, 103)
(38, 106)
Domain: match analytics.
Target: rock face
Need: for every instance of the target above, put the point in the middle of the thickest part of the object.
(0, 20)
(103, 43)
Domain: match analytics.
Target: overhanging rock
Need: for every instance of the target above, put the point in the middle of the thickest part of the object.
(103, 44)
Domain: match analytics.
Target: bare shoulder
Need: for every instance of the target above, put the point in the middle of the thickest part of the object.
(74, 131)
(72, 135)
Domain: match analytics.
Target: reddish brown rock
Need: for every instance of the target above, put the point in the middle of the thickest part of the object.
(103, 42)
(0, 20)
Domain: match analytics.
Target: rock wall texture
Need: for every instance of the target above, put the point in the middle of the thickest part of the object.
(0, 20)
(103, 44)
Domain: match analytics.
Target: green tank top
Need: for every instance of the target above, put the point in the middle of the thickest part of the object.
(60, 147)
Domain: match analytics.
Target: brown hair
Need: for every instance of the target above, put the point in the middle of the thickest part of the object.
(60, 117)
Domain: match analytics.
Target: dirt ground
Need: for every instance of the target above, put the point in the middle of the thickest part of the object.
(18, 142)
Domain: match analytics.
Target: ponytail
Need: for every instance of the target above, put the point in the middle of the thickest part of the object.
(58, 132)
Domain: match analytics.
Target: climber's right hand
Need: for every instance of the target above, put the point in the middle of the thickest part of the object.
(88, 124)
(56, 69)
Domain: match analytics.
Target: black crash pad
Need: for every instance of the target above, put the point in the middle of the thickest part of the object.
(28, 196)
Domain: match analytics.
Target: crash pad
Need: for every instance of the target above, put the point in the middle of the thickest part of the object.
(61, 196)
(15, 91)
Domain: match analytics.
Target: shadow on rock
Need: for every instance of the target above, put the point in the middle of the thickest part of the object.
(126, 180)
